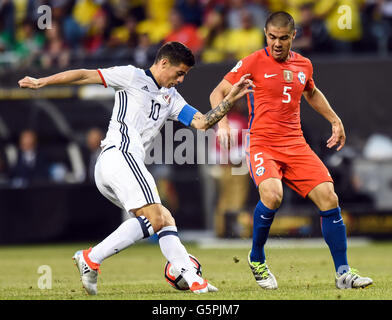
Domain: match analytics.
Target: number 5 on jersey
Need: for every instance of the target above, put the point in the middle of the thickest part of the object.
(259, 159)
(258, 164)
(287, 95)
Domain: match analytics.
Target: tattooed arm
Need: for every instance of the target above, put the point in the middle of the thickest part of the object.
(206, 121)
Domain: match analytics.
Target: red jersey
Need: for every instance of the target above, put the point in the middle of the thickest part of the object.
(274, 107)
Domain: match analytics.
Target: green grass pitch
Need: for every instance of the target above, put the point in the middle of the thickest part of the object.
(137, 274)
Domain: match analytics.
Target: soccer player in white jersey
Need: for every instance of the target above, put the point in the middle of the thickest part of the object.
(144, 99)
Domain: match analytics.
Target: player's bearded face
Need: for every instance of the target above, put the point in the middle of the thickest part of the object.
(279, 40)
(173, 75)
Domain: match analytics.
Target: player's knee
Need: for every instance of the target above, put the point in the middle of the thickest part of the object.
(167, 217)
(157, 215)
(272, 199)
(157, 222)
(271, 193)
(330, 200)
(162, 218)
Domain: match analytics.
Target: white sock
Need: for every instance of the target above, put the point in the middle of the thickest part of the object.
(125, 235)
(175, 252)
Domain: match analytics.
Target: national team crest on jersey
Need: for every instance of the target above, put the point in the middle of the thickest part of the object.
(302, 77)
(288, 75)
(260, 171)
(167, 98)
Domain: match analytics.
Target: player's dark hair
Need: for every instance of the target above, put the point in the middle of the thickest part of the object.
(280, 19)
(176, 53)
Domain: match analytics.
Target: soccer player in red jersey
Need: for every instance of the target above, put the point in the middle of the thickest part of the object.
(277, 150)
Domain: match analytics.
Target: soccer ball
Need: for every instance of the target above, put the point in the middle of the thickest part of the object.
(175, 279)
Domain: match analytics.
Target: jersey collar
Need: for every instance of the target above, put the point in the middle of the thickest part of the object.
(148, 73)
(267, 52)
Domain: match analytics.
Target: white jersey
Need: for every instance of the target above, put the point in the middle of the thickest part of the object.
(140, 110)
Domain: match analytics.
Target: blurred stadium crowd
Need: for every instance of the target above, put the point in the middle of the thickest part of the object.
(114, 31)
(52, 138)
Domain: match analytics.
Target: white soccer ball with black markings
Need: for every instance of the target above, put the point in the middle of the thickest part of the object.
(174, 277)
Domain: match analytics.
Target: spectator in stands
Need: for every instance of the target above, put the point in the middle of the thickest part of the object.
(77, 24)
(312, 36)
(57, 53)
(384, 35)
(32, 9)
(157, 24)
(30, 43)
(3, 166)
(98, 34)
(60, 8)
(111, 29)
(93, 142)
(184, 33)
(7, 28)
(245, 40)
(277, 5)
(136, 9)
(123, 39)
(7, 16)
(303, 41)
(144, 53)
(215, 36)
(126, 34)
(293, 7)
(344, 31)
(31, 166)
(257, 8)
(191, 11)
(210, 5)
(234, 13)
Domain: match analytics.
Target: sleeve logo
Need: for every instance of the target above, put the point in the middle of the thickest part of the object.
(237, 66)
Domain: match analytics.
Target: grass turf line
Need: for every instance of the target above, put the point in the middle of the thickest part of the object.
(137, 274)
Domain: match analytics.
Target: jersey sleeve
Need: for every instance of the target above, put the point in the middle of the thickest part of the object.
(242, 67)
(181, 110)
(117, 77)
(310, 83)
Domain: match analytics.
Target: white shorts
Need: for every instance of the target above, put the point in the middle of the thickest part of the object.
(125, 180)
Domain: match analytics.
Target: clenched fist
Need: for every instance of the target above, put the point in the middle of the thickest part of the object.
(29, 82)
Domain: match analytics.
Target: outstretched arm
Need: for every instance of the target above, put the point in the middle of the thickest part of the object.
(238, 90)
(78, 76)
(318, 102)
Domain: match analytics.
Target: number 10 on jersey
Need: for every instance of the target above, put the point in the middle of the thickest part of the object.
(155, 108)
